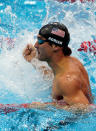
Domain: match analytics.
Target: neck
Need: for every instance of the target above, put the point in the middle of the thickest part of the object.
(58, 63)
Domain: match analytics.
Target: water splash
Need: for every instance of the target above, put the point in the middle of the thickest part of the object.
(20, 81)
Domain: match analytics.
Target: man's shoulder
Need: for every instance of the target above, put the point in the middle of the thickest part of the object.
(77, 61)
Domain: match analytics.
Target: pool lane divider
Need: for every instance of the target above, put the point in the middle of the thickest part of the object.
(9, 108)
(88, 46)
(82, 1)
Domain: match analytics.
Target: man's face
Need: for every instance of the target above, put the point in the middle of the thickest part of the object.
(43, 48)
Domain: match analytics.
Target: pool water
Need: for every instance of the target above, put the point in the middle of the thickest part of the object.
(20, 21)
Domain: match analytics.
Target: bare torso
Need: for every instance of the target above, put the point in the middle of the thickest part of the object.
(71, 83)
(76, 70)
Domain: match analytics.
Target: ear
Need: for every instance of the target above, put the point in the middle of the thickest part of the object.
(55, 47)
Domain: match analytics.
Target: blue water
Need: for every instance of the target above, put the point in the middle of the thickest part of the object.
(20, 21)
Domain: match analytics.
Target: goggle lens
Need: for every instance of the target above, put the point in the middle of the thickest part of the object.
(40, 41)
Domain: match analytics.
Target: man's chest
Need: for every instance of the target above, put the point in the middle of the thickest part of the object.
(56, 93)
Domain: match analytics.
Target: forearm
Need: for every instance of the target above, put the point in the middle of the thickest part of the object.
(76, 108)
(47, 106)
(39, 105)
(42, 67)
(36, 63)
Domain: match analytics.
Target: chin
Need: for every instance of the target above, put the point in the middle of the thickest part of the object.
(41, 59)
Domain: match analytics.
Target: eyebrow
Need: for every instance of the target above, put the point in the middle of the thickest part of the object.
(39, 37)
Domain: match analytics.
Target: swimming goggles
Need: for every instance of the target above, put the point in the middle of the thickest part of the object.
(40, 41)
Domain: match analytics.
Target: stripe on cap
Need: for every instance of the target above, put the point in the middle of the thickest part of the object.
(55, 41)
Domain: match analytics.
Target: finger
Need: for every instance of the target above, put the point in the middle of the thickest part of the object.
(31, 47)
(27, 50)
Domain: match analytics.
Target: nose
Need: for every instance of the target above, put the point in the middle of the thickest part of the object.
(36, 45)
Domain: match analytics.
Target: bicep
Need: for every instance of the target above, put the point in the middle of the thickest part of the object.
(72, 92)
(69, 85)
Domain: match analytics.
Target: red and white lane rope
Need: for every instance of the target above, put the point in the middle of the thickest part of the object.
(88, 46)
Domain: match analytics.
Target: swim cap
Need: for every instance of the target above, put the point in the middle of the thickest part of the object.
(56, 33)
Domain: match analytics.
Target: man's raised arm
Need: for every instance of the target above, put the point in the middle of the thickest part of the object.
(30, 54)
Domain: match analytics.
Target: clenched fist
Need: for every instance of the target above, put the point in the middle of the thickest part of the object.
(29, 52)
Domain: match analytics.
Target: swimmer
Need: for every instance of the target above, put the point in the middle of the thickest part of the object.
(71, 86)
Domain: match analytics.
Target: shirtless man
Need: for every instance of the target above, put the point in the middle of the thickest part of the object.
(71, 83)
